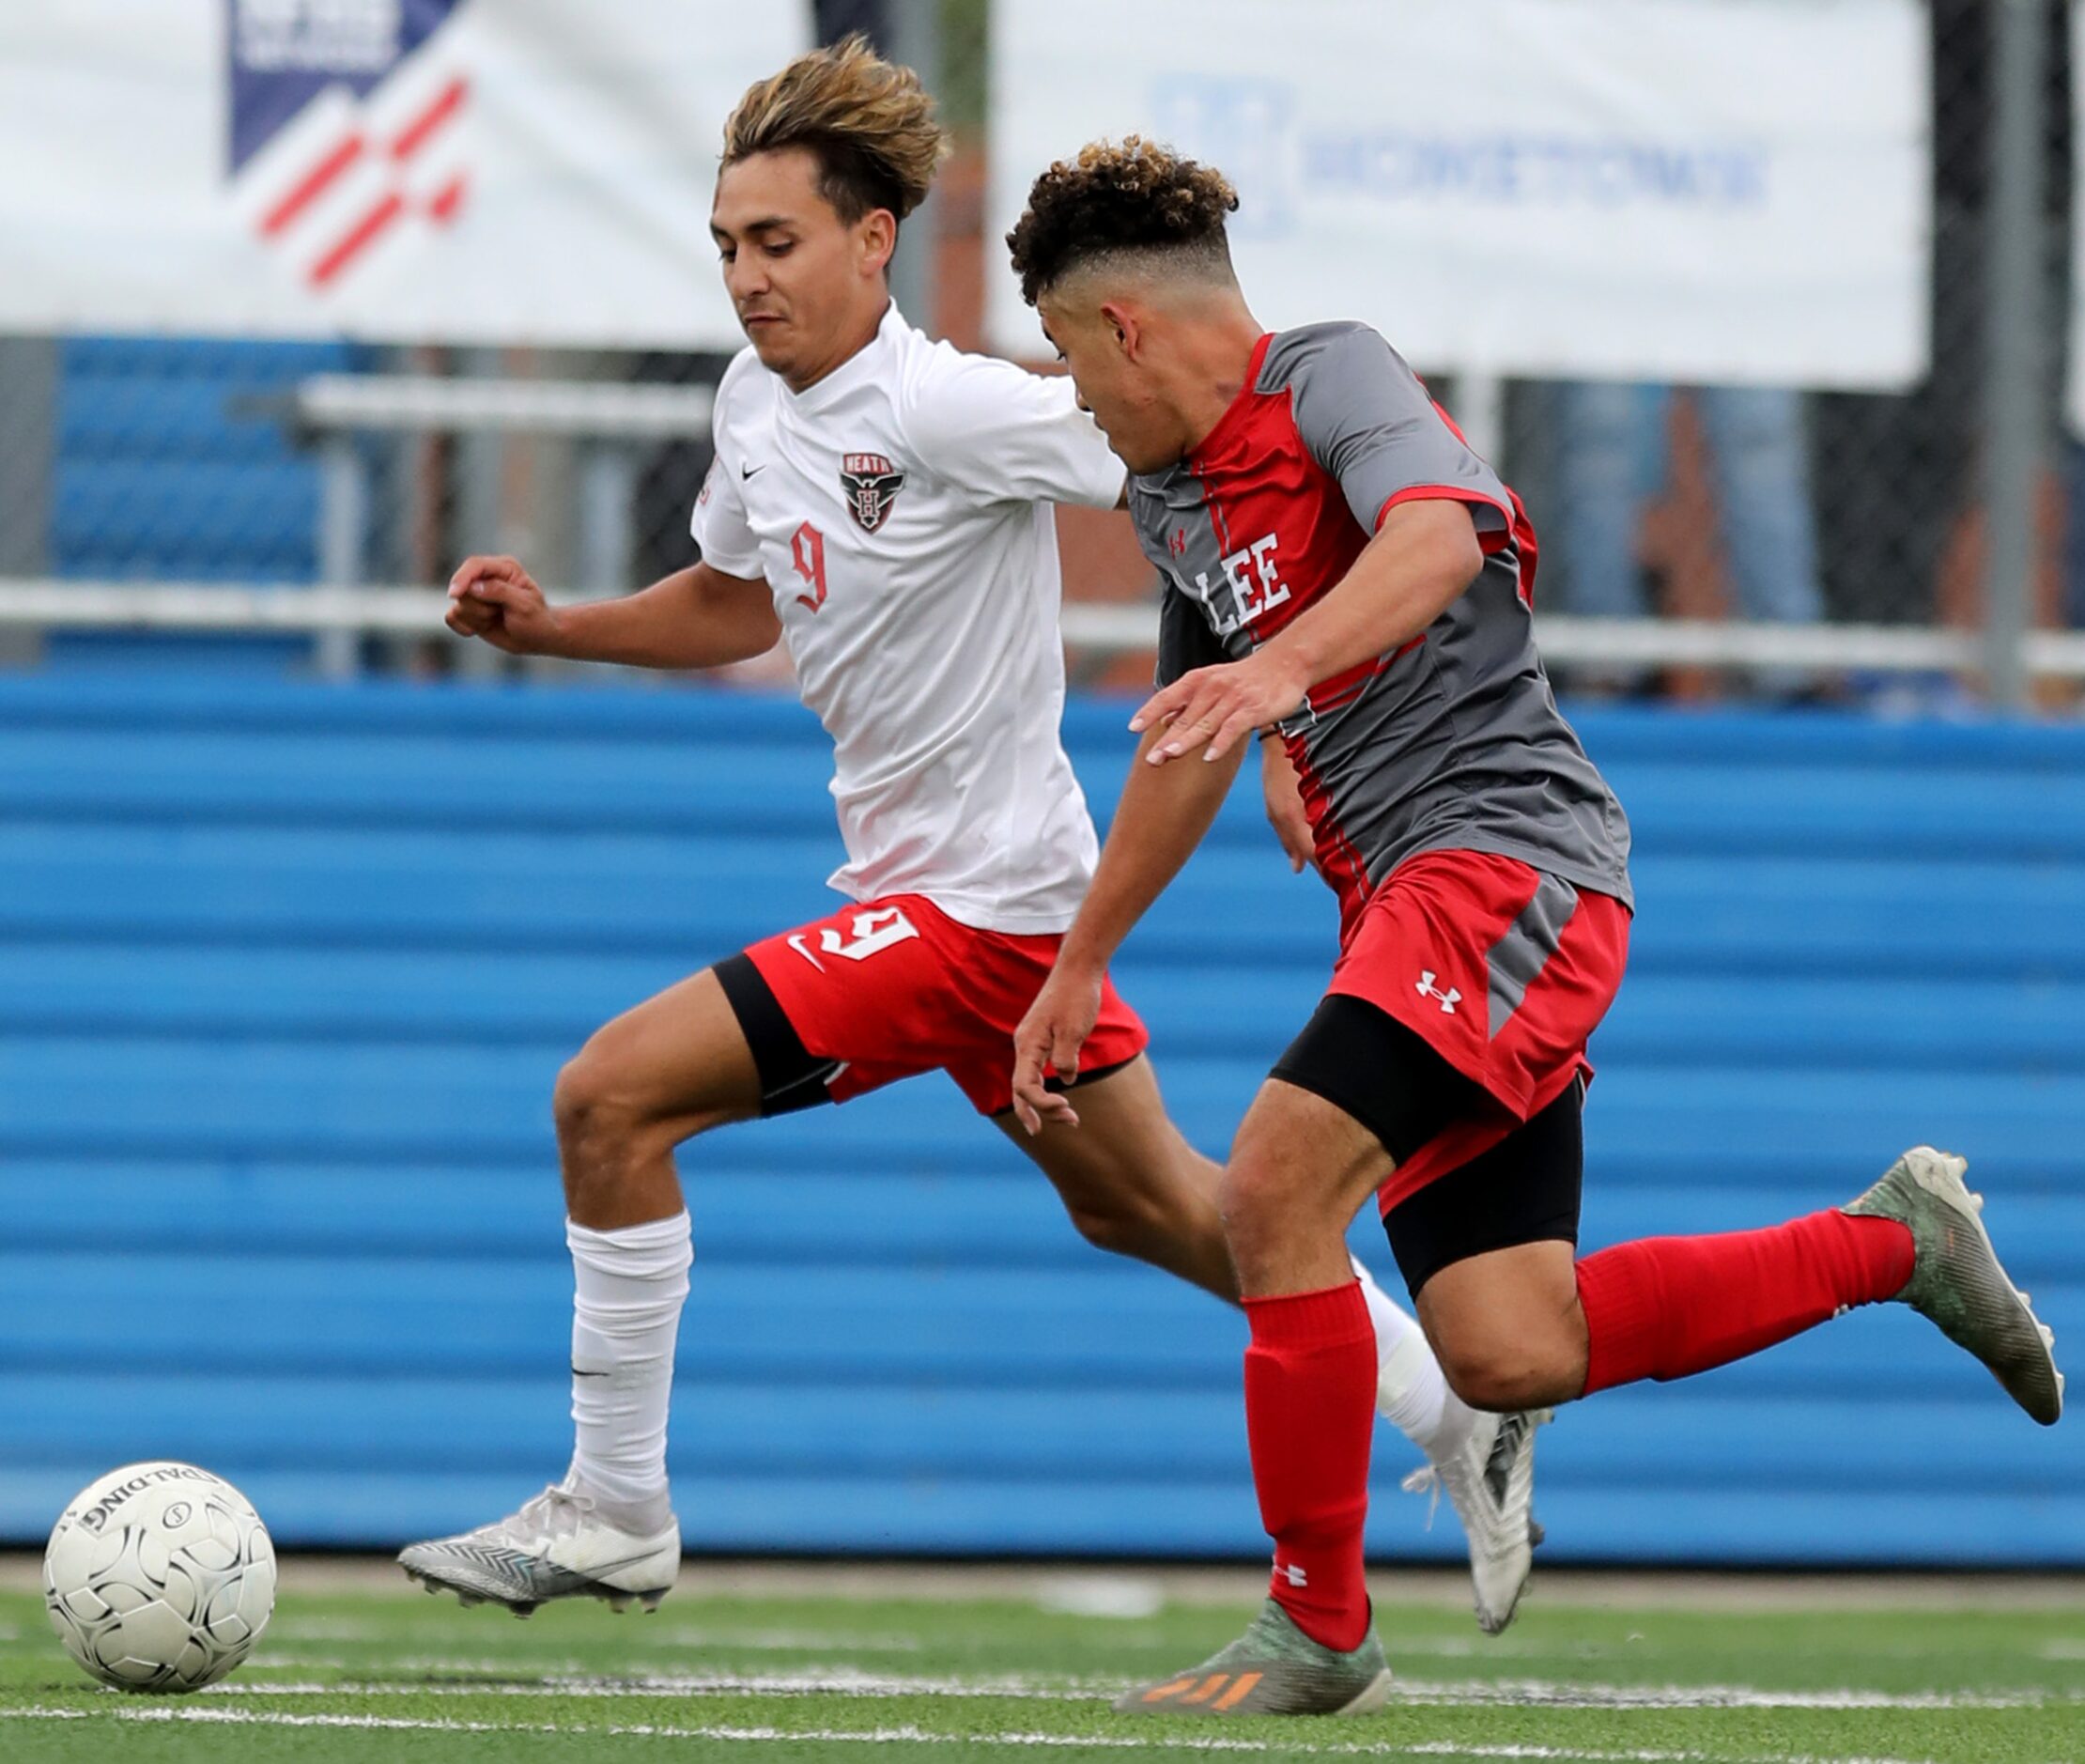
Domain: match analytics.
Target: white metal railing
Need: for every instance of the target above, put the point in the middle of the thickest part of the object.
(610, 421)
(1107, 628)
(426, 402)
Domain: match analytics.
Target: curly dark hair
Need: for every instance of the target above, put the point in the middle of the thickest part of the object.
(1134, 195)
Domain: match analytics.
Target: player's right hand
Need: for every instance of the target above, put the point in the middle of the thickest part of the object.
(495, 598)
(1048, 1040)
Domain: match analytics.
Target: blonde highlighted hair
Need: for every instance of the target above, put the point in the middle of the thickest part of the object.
(870, 125)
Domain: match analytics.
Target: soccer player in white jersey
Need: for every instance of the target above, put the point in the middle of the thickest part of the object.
(882, 504)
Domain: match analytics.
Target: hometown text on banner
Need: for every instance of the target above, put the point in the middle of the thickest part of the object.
(1712, 191)
(451, 171)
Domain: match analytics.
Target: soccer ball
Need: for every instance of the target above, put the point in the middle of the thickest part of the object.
(158, 1577)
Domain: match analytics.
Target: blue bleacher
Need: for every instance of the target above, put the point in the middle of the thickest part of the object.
(286, 972)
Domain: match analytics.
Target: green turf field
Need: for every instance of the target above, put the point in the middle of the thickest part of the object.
(367, 1674)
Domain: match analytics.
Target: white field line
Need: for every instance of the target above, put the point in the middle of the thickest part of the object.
(907, 1735)
(1540, 1693)
(504, 1667)
(840, 1682)
(784, 1641)
(292, 1650)
(321, 1628)
(747, 1639)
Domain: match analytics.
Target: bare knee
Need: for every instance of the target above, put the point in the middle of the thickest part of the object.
(1249, 1204)
(1508, 1328)
(1131, 1185)
(1502, 1372)
(1136, 1188)
(1501, 1382)
(595, 1105)
(1144, 1205)
(1124, 1224)
(613, 1132)
(1272, 1222)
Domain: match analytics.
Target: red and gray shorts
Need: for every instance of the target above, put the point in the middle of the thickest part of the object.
(1502, 970)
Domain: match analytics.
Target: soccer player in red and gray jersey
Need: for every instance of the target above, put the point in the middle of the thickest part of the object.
(1344, 575)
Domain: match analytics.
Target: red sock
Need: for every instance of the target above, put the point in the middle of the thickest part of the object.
(1667, 1306)
(1310, 1385)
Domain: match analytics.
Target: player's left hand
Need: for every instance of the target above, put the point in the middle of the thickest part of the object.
(1213, 709)
(1286, 813)
(1050, 1037)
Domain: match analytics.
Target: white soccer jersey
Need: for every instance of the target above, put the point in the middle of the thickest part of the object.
(900, 510)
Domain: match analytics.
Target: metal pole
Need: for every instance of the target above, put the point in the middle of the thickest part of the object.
(912, 31)
(29, 426)
(1480, 413)
(343, 517)
(2013, 443)
(608, 539)
(608, 487)
(478, 513)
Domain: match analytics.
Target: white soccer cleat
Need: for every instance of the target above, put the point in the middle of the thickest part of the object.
(1490, 1481)
(556, 1547)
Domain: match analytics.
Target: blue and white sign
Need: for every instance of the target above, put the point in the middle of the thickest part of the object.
(1705, 191)
(2073, 390)
(443, 171)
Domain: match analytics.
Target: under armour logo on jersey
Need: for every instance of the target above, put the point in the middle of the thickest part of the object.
(871, 483)
(1177, 543)
(1292, 1573)
(1427, 989)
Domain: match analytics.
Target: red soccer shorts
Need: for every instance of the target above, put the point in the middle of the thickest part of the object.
(1503, 971)
(895, 987)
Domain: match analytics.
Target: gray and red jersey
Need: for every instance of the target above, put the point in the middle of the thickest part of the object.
(1453, 741)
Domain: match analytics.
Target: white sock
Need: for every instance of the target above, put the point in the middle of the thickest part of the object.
(629, 1287)
(1411, 1392)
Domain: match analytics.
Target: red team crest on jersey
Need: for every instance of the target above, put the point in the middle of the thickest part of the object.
(871, 483)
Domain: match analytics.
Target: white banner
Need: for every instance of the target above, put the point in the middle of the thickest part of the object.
(2074, 389)
(459, 171)
(1705, 191)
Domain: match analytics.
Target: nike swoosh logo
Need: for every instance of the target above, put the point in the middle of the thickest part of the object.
(577, 1373)
(746, 471)
(600, 1568)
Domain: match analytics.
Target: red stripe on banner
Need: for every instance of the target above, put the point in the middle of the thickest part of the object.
(329, 168)
(447, 200)
(415, 134)
(357, 237)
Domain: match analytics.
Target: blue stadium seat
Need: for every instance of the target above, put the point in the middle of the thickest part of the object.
(286, 973)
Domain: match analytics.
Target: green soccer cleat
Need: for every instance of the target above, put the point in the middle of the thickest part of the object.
(1273, 1668)
(1956, 1279)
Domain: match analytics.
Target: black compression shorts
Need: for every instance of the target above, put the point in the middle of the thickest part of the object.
(1524, 1189)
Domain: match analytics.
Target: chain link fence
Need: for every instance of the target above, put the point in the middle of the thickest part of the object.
(162, 459)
